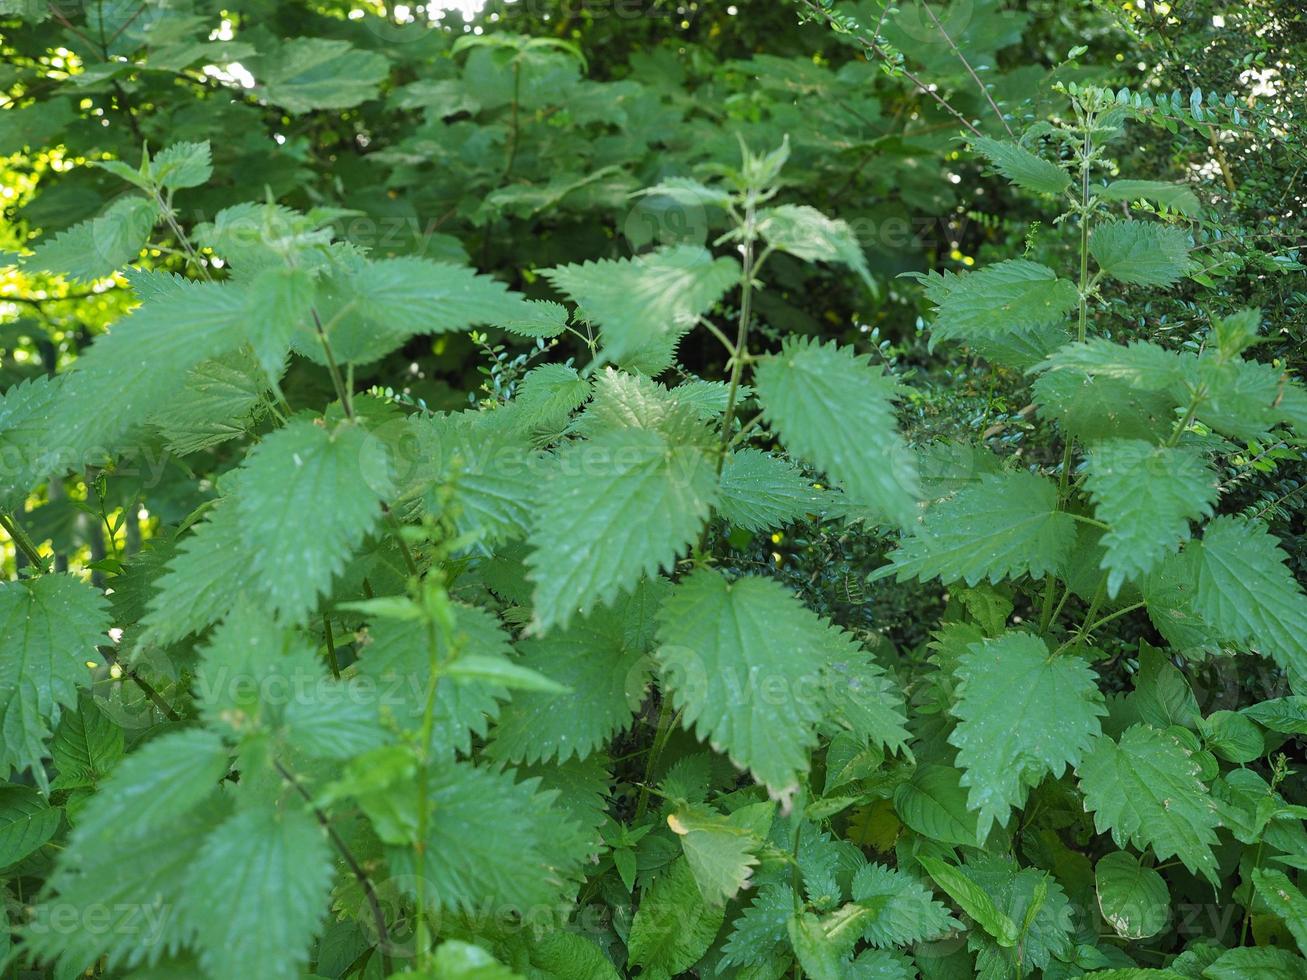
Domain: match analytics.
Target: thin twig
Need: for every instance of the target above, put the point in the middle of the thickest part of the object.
(970, 71)
(361, 876)
(146, 687)
(874, 48)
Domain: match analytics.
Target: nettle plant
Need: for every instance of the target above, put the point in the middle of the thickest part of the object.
(479, 694)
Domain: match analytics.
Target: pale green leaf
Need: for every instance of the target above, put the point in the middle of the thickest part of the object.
(316, 73)
(1023, 714)
(647, 298)
(1022, 167)
(96, 248)
(1143, 253)
(1005, 526)
(673, 926)
(1146, 790)
(719, 639)
(1148, 495)
(972, 899)
(304, 499)
(1177, 197)
(807, 233)
(1012, 297)
(51, 627)
(836, 411)
(760, 491)
(616, 508)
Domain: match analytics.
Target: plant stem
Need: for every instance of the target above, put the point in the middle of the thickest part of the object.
(22, 542)
(742, 329)
(662, 731)
(332, 662)
(1082, 324)
(356, 869)
(336, 379)
(146, 687)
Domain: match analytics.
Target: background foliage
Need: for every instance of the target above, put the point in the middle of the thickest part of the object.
(655, 489)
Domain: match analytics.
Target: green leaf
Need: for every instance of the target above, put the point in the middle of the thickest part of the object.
(1023, 714)
(934, 804)
(221, 399)
(1285, 900)
(1244, 589)
(537, 318)
(1148, 495)
(391, 300)
(1005, 526)
(316, 73)
(722, 644)
(548, 395)
(1146, 790)
(280, 301)
(182, 165)
(1092, 409)
(720, 850)
(759, 931)
(1177, 197)
(130, 883)
(761, 491)
(1143, 253)
(98, 247)
(142, 364)
(256, 893)
(1133, 899)
(1162, 696)
(256, 678)
(1232, 737)
(674, 926)
(153, 786)
(86, 747)
(51, 627)
(203, 580)
(457, 960)
(27, 821)
(518, 865)
(900, 910)
(1023, 168)
(1012, 297)
(603, 661)
(822, 945)
(616, 508)
(1287, 715)
(972, 900)
(396, 662)
(836, 411)
(1262, 962)
(648, 298)
(481, 475)
(807, 233)
(304, 498)
(567, 955)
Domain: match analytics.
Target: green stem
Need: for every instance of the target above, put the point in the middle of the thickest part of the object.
(22, 542)
(332, 662)
(333, 368)
(742, 329)
(662, 731)
(1082, 322)
(356, 869)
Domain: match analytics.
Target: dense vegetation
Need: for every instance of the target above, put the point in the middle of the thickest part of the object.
(648, 489)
